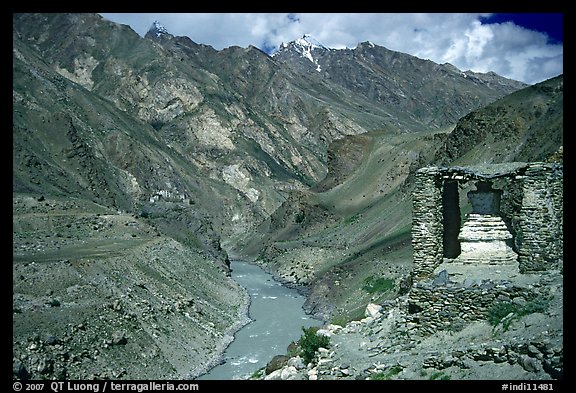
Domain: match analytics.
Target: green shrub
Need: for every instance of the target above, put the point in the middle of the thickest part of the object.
(376, 285)
(300, 216)
(439, 375)
(353, 219)
(499, 311)
(496, 314)
(538, 304)
(355, 314)
(381, 376)
(310, 342)
(258, 373)
(340, 320)
(386, 375)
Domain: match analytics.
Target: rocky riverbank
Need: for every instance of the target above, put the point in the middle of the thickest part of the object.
(386, 344)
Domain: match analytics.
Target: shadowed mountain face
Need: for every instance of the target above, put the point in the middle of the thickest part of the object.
(524, 126)
(302, 160)
(255, 124)
(355, 224)
(416, 92)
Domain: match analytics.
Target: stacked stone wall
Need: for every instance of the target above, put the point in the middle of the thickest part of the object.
(539, 237)
(427, 228)
(532, 209)
(434, 308)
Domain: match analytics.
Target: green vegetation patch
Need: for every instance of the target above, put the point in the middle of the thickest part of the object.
(258, 373)
(378, 285)
(353, 315)
(300, 216)
(340, 320)
(505, 313)
(439, 375)
(388, 374)
(310, 342)
(499, 311)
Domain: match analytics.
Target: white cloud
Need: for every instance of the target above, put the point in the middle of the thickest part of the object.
(507, 49)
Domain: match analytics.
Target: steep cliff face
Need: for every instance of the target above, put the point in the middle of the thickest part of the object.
(70, 141)
(101, 294)
(524, 126)
(116, 237)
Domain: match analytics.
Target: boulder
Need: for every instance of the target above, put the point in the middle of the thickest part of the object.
(275, 375)
(441, 279)
(289, 373)
(296, 362)
(51, 340)
(45, 365)
(53, 302)
(372, 310)
(333, 328)
(119, 338)
(276, 363)
(529, 364)
(19, 370)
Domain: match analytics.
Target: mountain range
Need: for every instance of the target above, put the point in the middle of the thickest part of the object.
(129, 148)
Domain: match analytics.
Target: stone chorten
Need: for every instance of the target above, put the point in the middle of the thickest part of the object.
(484, 237)
(462, 270)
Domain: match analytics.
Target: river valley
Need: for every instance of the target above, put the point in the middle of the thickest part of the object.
(277, 320)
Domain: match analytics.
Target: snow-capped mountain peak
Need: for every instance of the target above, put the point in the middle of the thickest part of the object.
(307, 41)
(305, 46)
(157, 29)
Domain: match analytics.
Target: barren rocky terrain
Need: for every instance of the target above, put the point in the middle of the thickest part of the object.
(102, 294)
(385, 345)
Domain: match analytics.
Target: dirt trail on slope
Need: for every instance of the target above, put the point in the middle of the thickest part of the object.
(102, 294)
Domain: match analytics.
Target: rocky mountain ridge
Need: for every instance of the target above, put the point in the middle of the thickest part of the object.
(239, 116)
(395, 79)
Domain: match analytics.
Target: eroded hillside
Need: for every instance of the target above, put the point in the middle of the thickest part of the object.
(102, 294)
(365, 231)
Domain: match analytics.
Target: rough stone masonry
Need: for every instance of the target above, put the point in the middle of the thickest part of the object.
(450, 287)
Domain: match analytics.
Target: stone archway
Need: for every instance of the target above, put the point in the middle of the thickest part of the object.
(536, 216)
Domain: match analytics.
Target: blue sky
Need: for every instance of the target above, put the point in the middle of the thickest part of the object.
(550, 23)
(527, 47)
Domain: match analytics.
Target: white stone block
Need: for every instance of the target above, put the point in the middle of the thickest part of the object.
(372, 310)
